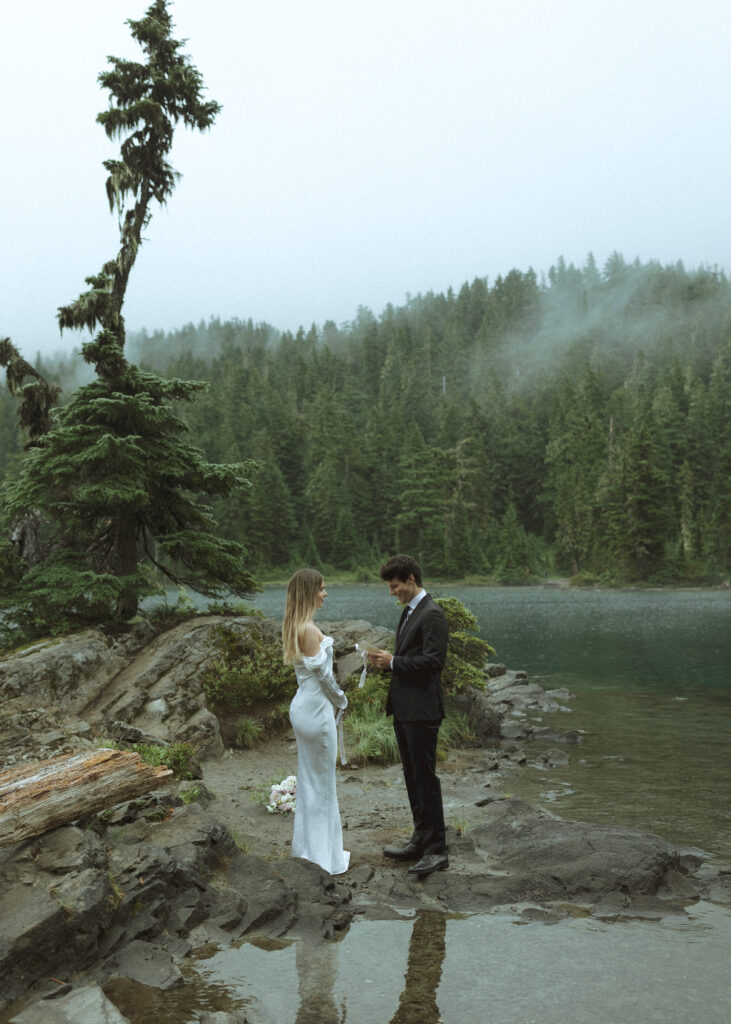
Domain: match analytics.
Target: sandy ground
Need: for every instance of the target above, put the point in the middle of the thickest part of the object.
(373, 802)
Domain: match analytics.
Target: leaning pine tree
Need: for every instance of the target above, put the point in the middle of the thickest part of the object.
(113, 480)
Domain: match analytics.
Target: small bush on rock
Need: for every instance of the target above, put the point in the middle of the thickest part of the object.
(178, 757)
(248, 670)
(467, 654)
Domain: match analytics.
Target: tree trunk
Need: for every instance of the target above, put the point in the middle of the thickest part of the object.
(26, 536)
(41, 796)
(125, 564)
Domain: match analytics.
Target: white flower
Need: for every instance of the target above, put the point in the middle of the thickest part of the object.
(283, 796)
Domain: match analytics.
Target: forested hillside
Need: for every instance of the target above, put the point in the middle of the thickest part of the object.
(578, 424)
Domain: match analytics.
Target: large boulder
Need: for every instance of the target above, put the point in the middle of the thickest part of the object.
(68, 671)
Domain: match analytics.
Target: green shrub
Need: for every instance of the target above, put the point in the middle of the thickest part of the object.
(584, 579)
(276, 718)
(234, 608)
(249, 670)
(178, 757)
(467, 654)
(249, 732)
(370, 736)
(373, 694)
(457, 731)
(163, 614)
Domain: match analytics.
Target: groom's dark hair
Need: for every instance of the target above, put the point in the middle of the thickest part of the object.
(400, 567)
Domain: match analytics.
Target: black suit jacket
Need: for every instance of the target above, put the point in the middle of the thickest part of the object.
(415, 694)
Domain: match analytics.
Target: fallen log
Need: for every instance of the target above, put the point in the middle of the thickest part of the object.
(41, 796)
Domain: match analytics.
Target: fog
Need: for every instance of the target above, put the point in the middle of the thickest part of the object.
(367, 152)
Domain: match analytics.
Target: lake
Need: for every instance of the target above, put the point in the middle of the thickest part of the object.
(651, 671)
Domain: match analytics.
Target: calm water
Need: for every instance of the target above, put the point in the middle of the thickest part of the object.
(491, 968)
(651, 671)
(641, 640)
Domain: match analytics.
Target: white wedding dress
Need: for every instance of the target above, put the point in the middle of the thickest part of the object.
(318, 834)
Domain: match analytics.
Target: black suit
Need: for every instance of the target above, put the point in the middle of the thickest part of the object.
(415, 700)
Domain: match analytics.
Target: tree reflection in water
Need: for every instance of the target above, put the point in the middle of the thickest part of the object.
(427, 948)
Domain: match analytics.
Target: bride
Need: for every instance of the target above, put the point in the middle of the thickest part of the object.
(315, 712)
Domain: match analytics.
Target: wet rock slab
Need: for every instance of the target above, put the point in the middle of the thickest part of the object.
(521, 853)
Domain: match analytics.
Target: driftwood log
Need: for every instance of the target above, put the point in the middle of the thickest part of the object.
(41, 796)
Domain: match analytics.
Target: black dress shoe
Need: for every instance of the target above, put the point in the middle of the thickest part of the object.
(412, 851)
(431, 862)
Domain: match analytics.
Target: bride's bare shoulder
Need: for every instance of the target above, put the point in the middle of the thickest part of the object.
(309, 640)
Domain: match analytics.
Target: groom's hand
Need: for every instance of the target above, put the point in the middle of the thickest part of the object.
(381, 659)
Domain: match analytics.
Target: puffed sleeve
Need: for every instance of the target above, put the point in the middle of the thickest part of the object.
(318, 665)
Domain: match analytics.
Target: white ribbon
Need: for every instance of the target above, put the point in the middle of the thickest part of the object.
(364, 656)
(341, 736)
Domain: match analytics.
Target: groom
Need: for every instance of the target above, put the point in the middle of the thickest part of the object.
(416, 703)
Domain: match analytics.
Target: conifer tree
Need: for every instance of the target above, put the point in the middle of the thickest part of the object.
(115, 480)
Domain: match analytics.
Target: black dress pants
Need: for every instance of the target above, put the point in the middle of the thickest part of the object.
(417, 743)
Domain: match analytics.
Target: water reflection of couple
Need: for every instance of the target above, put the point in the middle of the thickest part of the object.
(415, 701)
(317, 973)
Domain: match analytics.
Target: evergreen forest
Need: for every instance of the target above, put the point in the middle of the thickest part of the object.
(575, 425)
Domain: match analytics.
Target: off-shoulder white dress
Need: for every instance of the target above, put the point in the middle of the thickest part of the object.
(318, 834)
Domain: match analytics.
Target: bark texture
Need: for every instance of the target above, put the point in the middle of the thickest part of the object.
(38, 797)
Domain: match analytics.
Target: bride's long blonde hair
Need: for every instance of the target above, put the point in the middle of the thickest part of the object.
(300, 606)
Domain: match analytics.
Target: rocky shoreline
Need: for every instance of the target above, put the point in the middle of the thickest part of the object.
(134, 891)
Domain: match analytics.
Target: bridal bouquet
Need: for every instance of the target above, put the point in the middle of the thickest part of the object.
(283, 796)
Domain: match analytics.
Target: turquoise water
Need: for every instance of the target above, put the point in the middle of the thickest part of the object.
(640, 639)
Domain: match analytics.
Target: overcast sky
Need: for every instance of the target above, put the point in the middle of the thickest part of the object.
(366, 151)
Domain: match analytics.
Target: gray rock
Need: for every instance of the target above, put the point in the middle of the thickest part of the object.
(146, 963)
(571, 736)
(561, 694)
(195, 841)
(553, 758)
(540, 857)
(151, 806)
(269, 900)
(127, 735)
(69, 670)
(350, 632)
(203, 730)
(50, 925)
(349, 664)
(484, 712)
(87, 1005)
(64, 904)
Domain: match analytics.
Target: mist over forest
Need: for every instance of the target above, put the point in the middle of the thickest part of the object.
(576, 424)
